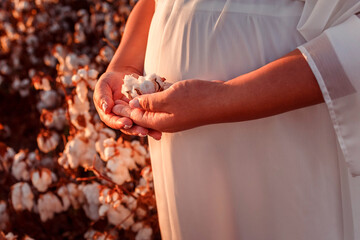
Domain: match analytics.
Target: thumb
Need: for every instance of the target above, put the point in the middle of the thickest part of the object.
(149, 102)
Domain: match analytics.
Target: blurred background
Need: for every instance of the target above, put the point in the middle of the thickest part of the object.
(63, 174)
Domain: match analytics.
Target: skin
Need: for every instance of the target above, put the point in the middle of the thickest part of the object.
(280, 86)
(128, 59)
(283, 85)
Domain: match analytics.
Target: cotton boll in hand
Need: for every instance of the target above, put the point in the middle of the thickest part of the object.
(133, 87)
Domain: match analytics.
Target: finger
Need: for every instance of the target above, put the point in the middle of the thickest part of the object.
(114, 121)
(122, 109)
(155, 134)
(151, 120)
(136, 131)
(103, 96)
(149, 102)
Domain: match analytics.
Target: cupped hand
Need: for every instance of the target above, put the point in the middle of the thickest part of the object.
(107, 92)
(186, 104)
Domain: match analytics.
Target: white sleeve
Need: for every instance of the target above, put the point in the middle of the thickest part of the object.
(334, 57)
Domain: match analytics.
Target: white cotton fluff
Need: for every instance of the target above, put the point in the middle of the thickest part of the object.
(65, 198)
(41, 179)
(144, 234)
(4, 216)
(48, 205)
(82, 91)
(22, 197)
(11, 236)
(48, 99)
(93, 74)
(91, 204)
(117, 171)
(104, 134)
(117, 215)
(55, 119)
(133, 87)
(48, 141)
(19, 168)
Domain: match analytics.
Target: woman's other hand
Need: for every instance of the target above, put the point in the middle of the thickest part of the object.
(184, 105)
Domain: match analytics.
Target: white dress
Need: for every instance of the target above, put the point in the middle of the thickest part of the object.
(281, 177)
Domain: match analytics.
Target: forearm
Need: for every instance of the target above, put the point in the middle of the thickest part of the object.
(131, 51)
(283, 85)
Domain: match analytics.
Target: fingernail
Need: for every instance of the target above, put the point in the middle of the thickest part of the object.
(135, 103)
(104, 106)
(141, 135)
(127, 126)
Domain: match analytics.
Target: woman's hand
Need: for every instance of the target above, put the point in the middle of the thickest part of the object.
(107, 92)
(184, 105)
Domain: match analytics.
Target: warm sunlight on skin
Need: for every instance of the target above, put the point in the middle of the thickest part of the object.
(283, 85)
(128, 59)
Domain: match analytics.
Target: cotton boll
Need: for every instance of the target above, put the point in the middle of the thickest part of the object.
(92, 73)
(91, 204)
(48, 100)
(48, 205)
(19, 168)
(71, 61)
(22, 196)
(75, 78)
(65, 198)
(109, 152)
(118, 215)
(48, 141)
(147, 87)
(41, 179)
(118, 172)
(11, 236)
(54, 119)
(144, 234)
(130, 202)
(104, 134)
(83, 73)
(4, 216)
(81, 91)
(137, 226)
(103, 210)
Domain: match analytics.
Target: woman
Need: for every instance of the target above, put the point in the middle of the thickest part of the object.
(277, 171)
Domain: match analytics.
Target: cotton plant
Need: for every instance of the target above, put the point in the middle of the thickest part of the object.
(61, 70)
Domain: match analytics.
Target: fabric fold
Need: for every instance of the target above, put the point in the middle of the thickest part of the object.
(334, 57)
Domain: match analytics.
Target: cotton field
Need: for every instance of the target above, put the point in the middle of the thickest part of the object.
(64, 174)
